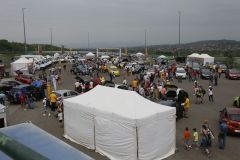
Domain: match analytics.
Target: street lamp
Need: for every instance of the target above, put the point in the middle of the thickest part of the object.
(179, 31)
(51, 37)
(25, 45)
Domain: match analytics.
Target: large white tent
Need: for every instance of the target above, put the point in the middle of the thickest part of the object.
(90, 55)
(139, 54)
(120, 124)
(21, 64)
(203, 59)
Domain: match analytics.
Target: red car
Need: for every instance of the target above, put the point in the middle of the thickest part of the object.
(232, 74)
(231, 115)
(25, 78)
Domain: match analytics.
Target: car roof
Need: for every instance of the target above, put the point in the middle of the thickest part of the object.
(232, 110)
(61, 91)
(22, 86)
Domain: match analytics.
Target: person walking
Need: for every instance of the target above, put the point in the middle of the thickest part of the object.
(222, 134)
(46, 104)
(210, 94)
(205, 140)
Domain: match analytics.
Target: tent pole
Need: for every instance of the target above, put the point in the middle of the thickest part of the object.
(137, 140)
(94, 136)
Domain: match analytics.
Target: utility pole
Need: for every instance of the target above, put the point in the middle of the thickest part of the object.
(179, 31)
(145, 42)
(88, 42)
(51, 37)
(25, 45)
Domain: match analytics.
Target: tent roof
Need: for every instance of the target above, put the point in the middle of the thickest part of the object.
(162, 56)
(21, 60)
(90, 54)
(205, 56)
(139, 54)
(42, 142)
(123, 103)
(194, 55)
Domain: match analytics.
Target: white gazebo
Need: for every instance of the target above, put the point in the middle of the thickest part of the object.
(22, 64)
(125, 126)
(139, 54)
(90, 55)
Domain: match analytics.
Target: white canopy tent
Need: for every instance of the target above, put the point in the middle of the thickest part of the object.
(56, 55)
(22, 64)
(139, 54)
(202, 59)
(90, 55)
(162, 57)
(105, 57)
(122, 125)
(3, 119)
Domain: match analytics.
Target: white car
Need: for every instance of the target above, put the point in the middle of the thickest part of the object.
(180, 72)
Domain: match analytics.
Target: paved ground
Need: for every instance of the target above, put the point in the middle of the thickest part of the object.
(224, 93)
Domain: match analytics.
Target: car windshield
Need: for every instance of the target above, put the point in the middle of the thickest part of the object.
(181, 71)
(206, 71)
(234, 71)
(235, 117)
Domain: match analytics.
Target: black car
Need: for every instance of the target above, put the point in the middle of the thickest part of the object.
(73, 68)
(82, 70)
(6, 85)
(205, 73)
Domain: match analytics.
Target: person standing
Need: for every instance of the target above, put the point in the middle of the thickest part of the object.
(124, 81)
(2, 98)
(186, 106)
(195, 138)
(210, 94)
(222, 135)
(215, 79)
(186, 137)
(53, 100)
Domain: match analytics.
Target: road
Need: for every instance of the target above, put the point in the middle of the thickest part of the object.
(223, 95)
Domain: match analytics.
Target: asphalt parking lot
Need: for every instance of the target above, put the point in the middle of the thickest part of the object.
(223, 95)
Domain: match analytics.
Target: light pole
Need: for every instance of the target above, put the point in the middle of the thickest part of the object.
(51, 37)
(179, 31)
(88, 42)
(145, 38)
(25, 45)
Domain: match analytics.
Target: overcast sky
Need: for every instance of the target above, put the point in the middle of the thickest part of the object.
(113, 23)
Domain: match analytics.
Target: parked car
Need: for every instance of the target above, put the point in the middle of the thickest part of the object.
(231, 116)
(7, 84)
(73, 68)
(15, 92)
(66, 93)
(232, 74)
(82, 70)
(113, 70)
(205, 73)
(25, 78)
(121, 86)
(180, 72)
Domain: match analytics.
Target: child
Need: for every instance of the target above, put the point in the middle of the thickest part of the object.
(195, 138)
(46, 105)
(60, 114)
(187, 138)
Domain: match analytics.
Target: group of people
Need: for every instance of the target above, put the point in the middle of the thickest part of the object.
(53, 104)
(199, 93)
(207, 137)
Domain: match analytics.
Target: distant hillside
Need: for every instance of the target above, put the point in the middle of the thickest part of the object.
(8, 47)
(220, 44)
